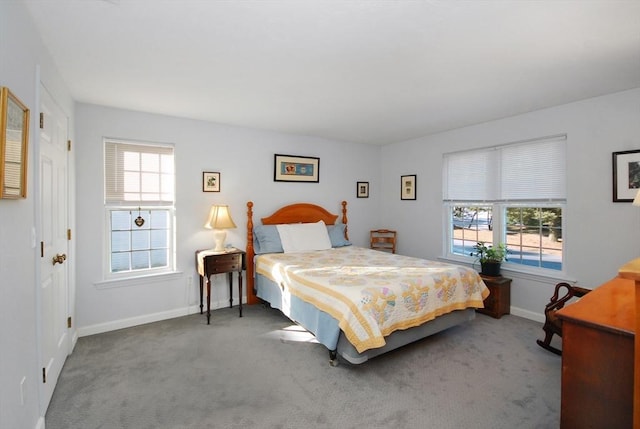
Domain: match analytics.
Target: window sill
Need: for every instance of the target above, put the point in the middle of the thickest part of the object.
(137, 280)
(514, 270)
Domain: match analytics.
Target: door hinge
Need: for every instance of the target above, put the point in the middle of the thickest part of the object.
(44, 375)
(42, 249)
(68, 145)
(41, 120)
(69, 322)
(69, 234)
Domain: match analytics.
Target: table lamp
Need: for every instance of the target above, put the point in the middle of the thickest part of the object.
(219, 220)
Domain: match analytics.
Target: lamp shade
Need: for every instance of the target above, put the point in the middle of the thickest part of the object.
(636, 201)
(219, 218)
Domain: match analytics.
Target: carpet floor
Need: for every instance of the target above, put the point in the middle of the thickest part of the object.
(261, 371)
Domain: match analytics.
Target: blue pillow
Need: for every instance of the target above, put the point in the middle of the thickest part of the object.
(336, 235)
(266, 239)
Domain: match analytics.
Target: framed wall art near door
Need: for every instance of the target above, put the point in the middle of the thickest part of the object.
(362, 190)
(626, 175)
(14, 139)
(408, 187)
(292, 168)
(210, 181)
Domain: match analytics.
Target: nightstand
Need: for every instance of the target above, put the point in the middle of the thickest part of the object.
(209, 262)
(498, 302)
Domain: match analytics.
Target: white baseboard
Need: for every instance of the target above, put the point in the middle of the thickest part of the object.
(185, 311)
(147, 318)
(40, 423)
(526, 314)
(135, 321)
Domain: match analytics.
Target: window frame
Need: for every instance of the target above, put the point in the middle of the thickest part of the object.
(171, 263)
(134, 206)
(499, 233)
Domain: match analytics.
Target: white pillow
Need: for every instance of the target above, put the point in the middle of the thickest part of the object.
(300, 237)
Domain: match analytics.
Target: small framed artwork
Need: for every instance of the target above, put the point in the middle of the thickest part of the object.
(292, 168)
(626, 175)
(363, 190)
(408, 187)
(14, 139)
(210, 181)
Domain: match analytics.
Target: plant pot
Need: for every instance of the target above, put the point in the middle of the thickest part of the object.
(491, 269)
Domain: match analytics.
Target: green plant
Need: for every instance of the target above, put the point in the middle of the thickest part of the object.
(486, 253)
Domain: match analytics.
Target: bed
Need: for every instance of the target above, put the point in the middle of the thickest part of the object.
(358, 302)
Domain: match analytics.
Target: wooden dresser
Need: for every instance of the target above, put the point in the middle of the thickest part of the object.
(631, 271)
(598, 334)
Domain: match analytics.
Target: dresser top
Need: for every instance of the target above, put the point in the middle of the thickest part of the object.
(630, 270)
(611, 307)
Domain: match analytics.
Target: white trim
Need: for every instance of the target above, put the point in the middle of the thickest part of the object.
(137, 320)
(100, 328)
(541, 275)
(128, 141)
(553, 137)
(40, 423)
(526, 314)
(74, 341)
(124, 275)
(498, 210)
(137, 281)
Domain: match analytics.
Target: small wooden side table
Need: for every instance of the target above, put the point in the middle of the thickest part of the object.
(498, 302)
(209, 263)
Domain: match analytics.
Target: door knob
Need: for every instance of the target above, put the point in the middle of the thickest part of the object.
(59, 259)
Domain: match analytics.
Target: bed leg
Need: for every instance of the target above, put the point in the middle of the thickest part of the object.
(333, 357)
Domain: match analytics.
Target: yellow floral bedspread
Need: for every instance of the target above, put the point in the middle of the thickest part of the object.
(373, 293)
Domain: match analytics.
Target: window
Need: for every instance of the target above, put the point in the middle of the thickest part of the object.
(534, 236)
(139, 207)
(470, 224)
(513, 194)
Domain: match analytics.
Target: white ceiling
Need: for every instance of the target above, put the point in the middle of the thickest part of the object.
(361, 71)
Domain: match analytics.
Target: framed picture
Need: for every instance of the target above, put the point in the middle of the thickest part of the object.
(210, 181)
(626, 175)
(14, 138)
(292, 168)
(363, 190)
(408, 187)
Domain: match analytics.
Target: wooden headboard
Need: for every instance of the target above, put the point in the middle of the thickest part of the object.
(293, 213)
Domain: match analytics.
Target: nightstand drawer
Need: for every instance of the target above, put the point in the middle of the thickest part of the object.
(224, 263)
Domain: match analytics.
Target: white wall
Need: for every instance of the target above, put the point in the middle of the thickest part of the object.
(245, 160)
(21, 55)
(600, 235)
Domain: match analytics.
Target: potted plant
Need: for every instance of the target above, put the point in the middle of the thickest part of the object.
(490, 257)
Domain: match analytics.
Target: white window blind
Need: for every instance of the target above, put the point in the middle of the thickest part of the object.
(526, 171)
(138, 174)
(469, 176)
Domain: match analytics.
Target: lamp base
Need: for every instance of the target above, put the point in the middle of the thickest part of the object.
(219, 236)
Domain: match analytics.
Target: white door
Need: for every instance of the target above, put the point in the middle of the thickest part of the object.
(53, 201)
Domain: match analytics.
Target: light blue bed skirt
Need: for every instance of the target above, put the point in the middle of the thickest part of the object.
(326, 330)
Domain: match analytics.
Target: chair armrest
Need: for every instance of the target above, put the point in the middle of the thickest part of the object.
(557, 303)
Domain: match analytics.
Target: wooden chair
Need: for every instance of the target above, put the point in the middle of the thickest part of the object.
(553, 325)
(383, 239)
